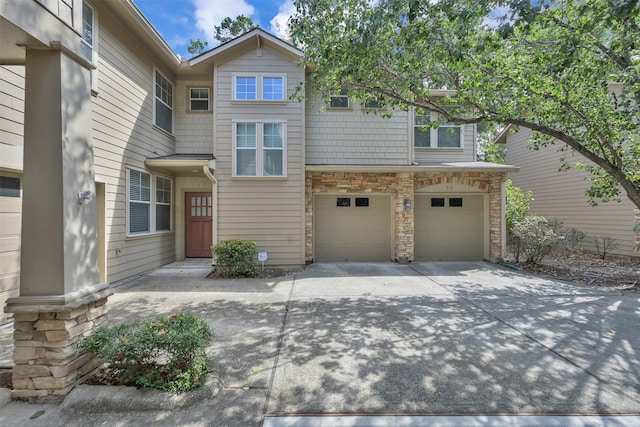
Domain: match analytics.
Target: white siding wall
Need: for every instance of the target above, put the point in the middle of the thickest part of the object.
(268, 211)
(350, 137)
(11, 141)
(561, 194)
(124, 135)
(193, 130)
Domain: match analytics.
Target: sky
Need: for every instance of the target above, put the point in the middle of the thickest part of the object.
(179, 21)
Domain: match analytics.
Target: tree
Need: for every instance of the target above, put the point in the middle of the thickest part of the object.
(197, 46)
(567, 69)
(232, 28)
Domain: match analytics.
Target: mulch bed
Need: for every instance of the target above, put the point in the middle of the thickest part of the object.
(267, 273)
(616, 272)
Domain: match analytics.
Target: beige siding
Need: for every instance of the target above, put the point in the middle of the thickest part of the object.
(11, 116)
(268, 211)
(10, 227)
(193, 130)
(124, 135)
(561, 194)
(351, 137)
(11, 142)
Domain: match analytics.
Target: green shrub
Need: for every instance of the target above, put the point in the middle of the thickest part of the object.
(517, 205)
(535, 237)
(235, 257)
(168, 353)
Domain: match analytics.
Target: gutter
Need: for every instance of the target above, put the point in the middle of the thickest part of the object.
(452, 167)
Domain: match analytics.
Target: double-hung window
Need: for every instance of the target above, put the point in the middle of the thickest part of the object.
(339, 99)
(260, 149)
(446, 135)
(268, 87)
(88, 44)
(149, 203)
(163, 106)
(199, 99)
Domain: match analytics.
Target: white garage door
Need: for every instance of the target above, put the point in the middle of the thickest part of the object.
(352, 228)
(449, 228)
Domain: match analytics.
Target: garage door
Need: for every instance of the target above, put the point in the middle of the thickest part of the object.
(449, 228)
(352, 228)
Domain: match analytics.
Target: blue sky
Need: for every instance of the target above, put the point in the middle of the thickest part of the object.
(178, 21)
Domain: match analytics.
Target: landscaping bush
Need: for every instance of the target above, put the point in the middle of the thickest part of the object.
(235, 257)
(534, 237)
(168, 353)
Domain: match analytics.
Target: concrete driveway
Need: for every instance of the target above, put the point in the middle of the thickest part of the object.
(382, 338)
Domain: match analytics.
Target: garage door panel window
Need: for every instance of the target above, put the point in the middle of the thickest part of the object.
(260, 149)
(343, 202)
(362, 202)
(437, 202)
(455, 202)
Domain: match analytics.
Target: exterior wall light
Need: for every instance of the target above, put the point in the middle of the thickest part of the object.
(84, 196)
(407, 205)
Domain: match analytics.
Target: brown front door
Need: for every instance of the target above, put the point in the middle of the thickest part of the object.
(199, 208)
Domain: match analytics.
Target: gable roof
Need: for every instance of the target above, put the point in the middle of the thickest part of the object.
(256, 35)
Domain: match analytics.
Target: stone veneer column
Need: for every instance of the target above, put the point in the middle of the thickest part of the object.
(308, 217)
(496, 218)
(404, 219)
(61, 296)
(47, 362)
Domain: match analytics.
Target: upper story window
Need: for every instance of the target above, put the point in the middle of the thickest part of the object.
(199, 99)
(339, 100)
(149, 203)
(163, 106)
(88, 44)
(259, 149)
(88, 26)
(266, 87)
(446, 135)
(374, 104)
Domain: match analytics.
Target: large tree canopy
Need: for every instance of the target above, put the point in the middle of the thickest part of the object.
(567, 69)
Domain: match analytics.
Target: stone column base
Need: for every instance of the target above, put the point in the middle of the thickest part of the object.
(47, 362)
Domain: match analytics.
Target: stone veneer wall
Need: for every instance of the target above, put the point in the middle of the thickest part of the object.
(47, 362)
(403, 185)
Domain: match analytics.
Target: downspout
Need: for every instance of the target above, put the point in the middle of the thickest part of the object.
(214, 228)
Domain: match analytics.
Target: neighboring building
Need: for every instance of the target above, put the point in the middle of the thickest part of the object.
(561, 194)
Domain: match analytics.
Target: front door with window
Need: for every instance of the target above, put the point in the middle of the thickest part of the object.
(199, 207)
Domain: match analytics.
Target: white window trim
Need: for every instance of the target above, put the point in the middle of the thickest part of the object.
(259, 149)
(189, 98)
(433, 139)
(173, 96)
(152, 204)
(259, 86)
(94, 47)
(339, 95)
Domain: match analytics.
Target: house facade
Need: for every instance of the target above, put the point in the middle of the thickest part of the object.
(117, 156)
(561, 194)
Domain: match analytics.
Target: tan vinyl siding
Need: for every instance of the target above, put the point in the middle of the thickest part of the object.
(268, 211)
(561, 194)
(193, 130)
(124, 135)
(10, 227)
(11, 142)
(351, 137)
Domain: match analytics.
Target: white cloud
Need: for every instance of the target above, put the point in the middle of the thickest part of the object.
(279, 22)
(209, 13)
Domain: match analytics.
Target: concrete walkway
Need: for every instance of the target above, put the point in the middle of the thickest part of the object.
(426, 343)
